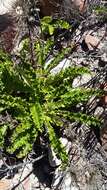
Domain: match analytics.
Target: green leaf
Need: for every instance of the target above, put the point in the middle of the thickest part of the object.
(46, 19)
(37, 115)
(55, 142)
(62, 24)
(51, 29)
(3, 130)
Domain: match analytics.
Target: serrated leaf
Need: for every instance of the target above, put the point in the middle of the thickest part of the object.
(37, 115)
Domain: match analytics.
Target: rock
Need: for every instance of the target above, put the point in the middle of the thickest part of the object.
(9, 27)
(91, 41)
(62, 65)
(81, 80)
(68, 183)
(66, 143)
(80, 4)
(6, 6)
(99, 111)
(19, 10)
(5, 184)
(7, 32)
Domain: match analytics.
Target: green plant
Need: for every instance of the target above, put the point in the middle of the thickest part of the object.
(49, 26)
(39, 100)
(101, 10)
